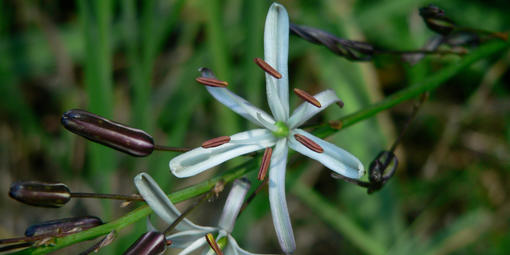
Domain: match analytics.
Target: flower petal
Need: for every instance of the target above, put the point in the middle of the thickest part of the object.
(236, 103)
(305, 111)
(198, 243)
(334, 158)
(232, 244)
(276, 51)
(233, 204)
(198, 160)
(277, 200)
(184, 239)
(159, 202)
(239, 105)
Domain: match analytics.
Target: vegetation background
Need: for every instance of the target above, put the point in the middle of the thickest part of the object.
(135, 62)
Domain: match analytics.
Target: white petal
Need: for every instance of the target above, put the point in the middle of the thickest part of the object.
(233, 204)
(277, 200)
(199, 243)
(306, 110)
(184, 239)
(334, 158)
(159, 202)
(232, 243)
(276, 51)
(239, 105)
(198, 160)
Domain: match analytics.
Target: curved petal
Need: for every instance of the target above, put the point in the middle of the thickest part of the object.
(185, 239)
(334, 158)
(233, 204)
(306, 110)
(199, 243)
(277, 200)
(200, 159)
(159, 202)
(276, 51)
(240, 105)
(233, 244)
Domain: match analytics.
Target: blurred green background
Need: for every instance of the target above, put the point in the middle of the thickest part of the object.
(135, 62)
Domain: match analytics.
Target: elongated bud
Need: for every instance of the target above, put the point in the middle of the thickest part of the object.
(133, 141)
(148, 244)
(436, 20)
(40, 193)
(63, 226)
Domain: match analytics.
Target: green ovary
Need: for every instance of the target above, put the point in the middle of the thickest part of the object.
(282, 131)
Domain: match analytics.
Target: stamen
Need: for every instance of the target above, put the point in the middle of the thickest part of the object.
(215, 142)
(267, 68)
(309, 143)
(266, 159)
(307, 97)
(211, 82)
(340, 103)
(210, 239)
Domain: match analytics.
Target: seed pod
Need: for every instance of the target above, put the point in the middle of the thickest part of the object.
(40, 193)
(133, 141)
(148, 244)
(63, 226)
(436, 20)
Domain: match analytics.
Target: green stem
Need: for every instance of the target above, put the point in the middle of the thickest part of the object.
(428, 84)
(142, 211)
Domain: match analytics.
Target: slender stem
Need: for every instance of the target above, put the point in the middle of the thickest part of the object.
(252, 195)
(143, 211)
(428, 84)
(416, 107)
(132, 197)
(420, 51)
(168, 148)
(188, 210)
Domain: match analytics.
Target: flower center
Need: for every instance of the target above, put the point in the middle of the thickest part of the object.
(282, 131)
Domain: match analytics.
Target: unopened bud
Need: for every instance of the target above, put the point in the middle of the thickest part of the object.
(436, 20)
(149, 243)
(63, 226)
(40, 193)
(133, 141)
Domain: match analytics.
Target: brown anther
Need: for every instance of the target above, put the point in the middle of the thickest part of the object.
(267, 68)
(215, 142)
(266, 159)
(168, 242)
(309, 143)
(210, 239)
(212, 82)
(307, 97)
(340, 103)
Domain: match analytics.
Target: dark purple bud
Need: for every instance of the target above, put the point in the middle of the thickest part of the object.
(63, 226)
(112, 134)
(436, 20)
(40, 193)
(150, 243)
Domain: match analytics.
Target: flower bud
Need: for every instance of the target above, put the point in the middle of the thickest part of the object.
(63, 226)
(133, 141)
(40, 193)
(436, 20)
(149, 243)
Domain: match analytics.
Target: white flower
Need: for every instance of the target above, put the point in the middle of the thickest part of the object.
(189, 236)
(280, 131)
